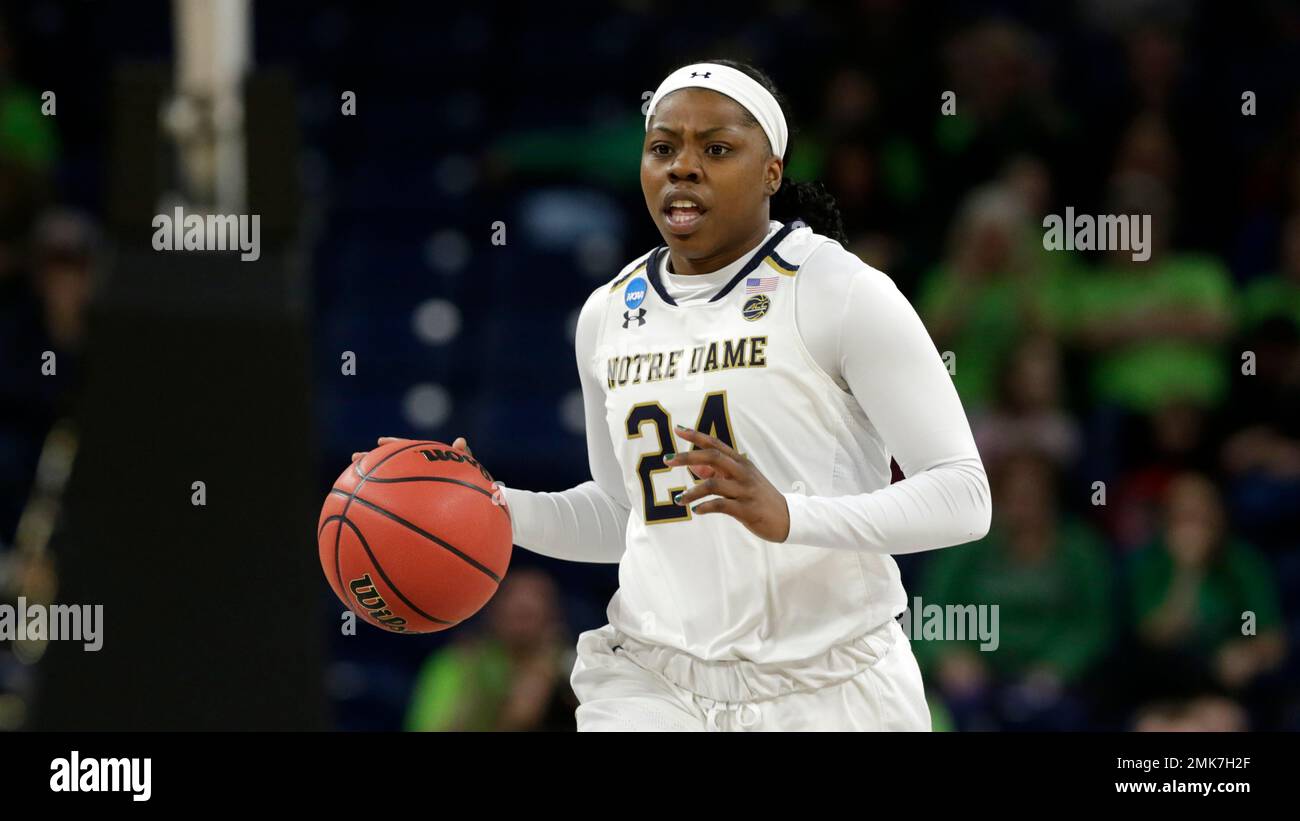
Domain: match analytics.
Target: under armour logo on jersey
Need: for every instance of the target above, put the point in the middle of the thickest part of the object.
(639, 316)
(705, 74)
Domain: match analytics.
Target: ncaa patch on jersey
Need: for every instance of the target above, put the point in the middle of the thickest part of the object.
(755, 307)
(634, 295)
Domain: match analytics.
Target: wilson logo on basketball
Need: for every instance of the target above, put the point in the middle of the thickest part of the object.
(453, 456)
(363, 589)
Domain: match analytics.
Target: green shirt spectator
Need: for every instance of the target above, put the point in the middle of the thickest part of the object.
(1054, 610)
(982, 321)
(476, 686)
(1158, 332)
(1277, 295)
(1237, 580)
(1270, 297)
(460, 688)
(27, 137)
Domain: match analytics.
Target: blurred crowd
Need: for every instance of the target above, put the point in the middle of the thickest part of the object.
(1140, 421)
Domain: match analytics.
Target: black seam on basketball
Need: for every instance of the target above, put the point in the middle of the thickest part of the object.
(338, 568)
(416, 528)
(380, 570)
(448, 479)
(488, 493)
(470, 560)
(343, 513)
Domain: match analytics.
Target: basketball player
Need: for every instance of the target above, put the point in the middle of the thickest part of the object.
(745, 386)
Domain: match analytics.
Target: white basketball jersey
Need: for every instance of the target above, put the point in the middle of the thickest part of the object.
(735, 367)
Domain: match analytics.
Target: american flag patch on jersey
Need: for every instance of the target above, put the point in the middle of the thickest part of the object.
(760, 285)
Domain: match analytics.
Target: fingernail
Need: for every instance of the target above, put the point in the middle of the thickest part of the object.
(677, 498)
(681, 427)
(669, 456)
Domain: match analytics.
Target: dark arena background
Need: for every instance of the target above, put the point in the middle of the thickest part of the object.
(440, 187)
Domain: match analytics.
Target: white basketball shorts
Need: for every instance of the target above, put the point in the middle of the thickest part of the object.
(870, 683)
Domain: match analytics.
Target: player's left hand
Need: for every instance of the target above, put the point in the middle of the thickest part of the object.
(747, 495)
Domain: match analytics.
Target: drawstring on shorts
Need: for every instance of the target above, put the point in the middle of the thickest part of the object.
(740, 711)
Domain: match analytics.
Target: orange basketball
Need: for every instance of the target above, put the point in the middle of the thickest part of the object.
(412, 538)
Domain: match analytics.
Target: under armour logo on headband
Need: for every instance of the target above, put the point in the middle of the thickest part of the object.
(737, 85)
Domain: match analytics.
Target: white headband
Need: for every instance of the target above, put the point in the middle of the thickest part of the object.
(737, 85)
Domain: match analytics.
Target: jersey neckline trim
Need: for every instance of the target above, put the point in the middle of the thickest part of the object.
(767, 249)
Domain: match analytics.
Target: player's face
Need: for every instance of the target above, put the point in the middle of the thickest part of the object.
(707, 172)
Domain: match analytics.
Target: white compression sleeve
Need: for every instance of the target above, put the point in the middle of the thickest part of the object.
(881, 351)
(587, 523)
